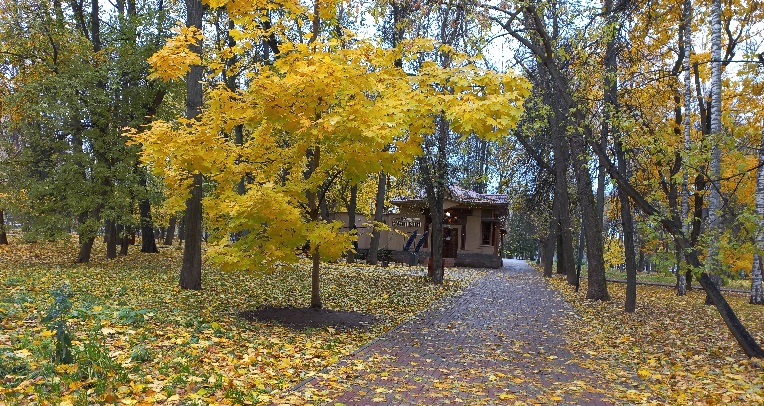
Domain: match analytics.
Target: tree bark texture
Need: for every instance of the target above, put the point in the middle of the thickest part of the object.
(191, 270)
(379, 209)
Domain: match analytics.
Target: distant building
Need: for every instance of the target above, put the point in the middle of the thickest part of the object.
(472, 228)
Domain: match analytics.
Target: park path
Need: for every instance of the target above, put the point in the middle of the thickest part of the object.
(499, 342)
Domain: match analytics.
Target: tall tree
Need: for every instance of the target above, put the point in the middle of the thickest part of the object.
(715, 199)
(191, 270)
(685, 198)
(757, 297)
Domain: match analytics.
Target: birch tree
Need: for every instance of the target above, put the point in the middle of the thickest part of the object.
(681, 280)
(715, 199)
(756, 269)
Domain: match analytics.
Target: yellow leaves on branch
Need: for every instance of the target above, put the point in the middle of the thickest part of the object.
(354, 105)
(175, 59)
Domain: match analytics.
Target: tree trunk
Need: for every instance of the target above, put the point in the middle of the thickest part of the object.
(315, 281)
(715, 200)
(379, 208)
(597, 285)
(627, 222)
(561, 259)
(111, 239)
(433, 172)
(549, 245)
(87, 236)
(610, 112)
(191, 270)
(86, 248)
(580, 258)
(756, 269)
(124, 241)
(562, 197)
(148, 240)
(314, 212)
(182, 229)
(3, 235)
(352, 206)
(170, 231)
(681, 276)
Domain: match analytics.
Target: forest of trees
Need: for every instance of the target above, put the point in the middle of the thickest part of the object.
(249, 122)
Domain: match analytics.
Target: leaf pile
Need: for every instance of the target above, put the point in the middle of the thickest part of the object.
(672, 350)
(139, 339)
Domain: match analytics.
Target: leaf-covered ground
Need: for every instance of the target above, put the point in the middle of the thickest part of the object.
(672, 350)
(139, 339)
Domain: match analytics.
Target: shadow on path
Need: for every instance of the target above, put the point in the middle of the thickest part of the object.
(496, 343)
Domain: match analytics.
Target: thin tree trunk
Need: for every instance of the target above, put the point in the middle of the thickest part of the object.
(549, 245)
(561, 196)
(148, 240)
(580, 258)
(756, 269)
(379, 208)
(561, 259)
(715, 199)
(682, 284)
(352, 207)
(315, 281)
(182, 229)
(434, 173)
(191, 270)
(610, 112)
(3, 235)
(170, 231)
(314, 212)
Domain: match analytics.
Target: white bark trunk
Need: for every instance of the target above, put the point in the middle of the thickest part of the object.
(685, 194)
(714, 201)
(756, 270)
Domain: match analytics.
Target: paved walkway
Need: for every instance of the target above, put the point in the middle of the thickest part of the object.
(497, 343)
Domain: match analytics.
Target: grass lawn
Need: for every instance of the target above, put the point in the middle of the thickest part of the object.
(139, 339)
(666, 277)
